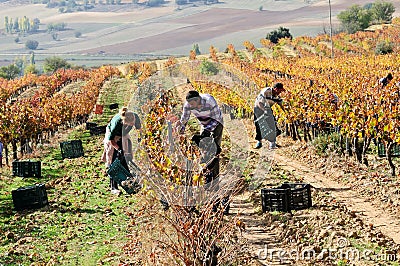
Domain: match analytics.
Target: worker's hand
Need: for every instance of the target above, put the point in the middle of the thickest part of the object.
(179, 127)
(119, 154)
(128, 157)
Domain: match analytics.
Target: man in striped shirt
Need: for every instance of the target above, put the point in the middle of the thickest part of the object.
(205, 108)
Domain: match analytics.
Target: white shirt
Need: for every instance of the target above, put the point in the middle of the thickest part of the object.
(266, 98)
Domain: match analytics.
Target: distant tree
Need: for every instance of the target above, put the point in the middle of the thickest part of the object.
(6, 24)
(367, 6)
(51, 64)
(35, 24)
(155, 2)
(31, 44)
(16, 25)
(280, 33)
(196, 49)
(10, 26)
(56, 27)
(20, 63)
(32, 59)
(71, 4)
(54, 35)
(9, 72)
(382, 12)
(208, 68)
(355, 18)
(260, 8)
(78, 34)
(16, 39)
(31, 69)
(384, 47)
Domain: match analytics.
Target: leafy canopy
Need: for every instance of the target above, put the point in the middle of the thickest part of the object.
(358, 18)
(280, 33)
(51, 64)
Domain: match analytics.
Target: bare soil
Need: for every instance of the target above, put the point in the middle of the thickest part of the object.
(343, 218)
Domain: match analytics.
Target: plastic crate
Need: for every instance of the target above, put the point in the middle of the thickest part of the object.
(90, 125)
(382, 150)
(30, 197)
(287, 197)
(113, 106)
(300, 195)
(123, 177)
(98, 130)
(71, 149)
(275, 200)
(27, 169)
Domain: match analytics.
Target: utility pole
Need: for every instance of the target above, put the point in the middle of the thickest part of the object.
(330, 23)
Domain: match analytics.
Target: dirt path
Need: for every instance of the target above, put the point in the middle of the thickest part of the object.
(371, 214)
(258, 231)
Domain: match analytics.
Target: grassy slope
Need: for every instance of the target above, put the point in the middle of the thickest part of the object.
(84, 224)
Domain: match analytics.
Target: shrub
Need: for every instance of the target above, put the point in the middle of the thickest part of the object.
(384, 47)
(51, 64)
(31, 44)
(280, 33)
(327, 143)
(208, 68)
(77, 34)
(54, 35)
(155, 2)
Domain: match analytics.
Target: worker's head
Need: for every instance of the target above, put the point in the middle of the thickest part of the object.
(389, 77)
(193, 99)
(278, 88)
(128, 117)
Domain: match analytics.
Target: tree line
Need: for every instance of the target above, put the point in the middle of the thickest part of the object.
(21, 25)
(22, 66)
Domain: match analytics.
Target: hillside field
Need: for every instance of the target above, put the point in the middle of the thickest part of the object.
(128, 32)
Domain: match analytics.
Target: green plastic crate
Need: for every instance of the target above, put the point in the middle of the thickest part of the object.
(123, 177)
(27, 169)
(71, 149)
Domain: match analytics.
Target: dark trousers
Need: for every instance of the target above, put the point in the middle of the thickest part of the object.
(213, 166)
(217, 135)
